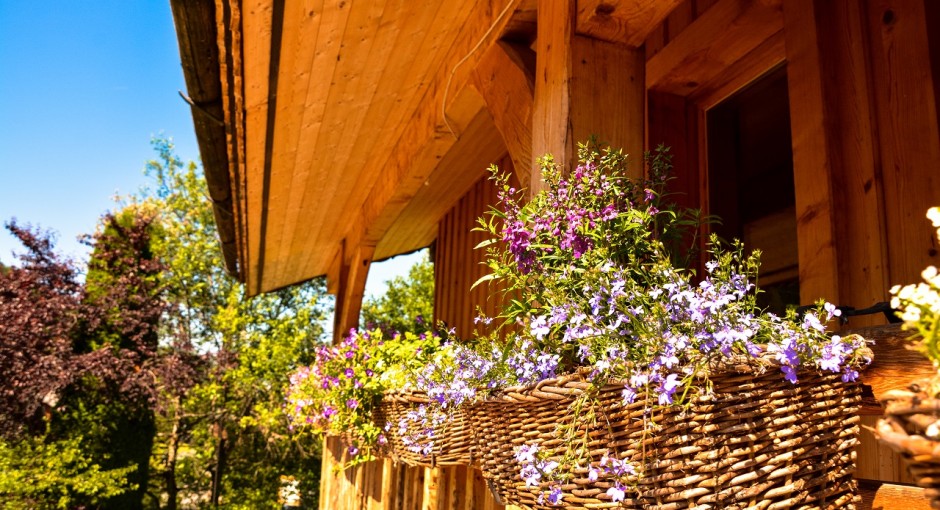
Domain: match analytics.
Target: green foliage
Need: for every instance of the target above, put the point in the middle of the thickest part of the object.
(222, 433)
(407, 304)
(920, 309)
(35, 473)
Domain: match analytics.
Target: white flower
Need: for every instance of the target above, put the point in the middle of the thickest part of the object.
(933, 214)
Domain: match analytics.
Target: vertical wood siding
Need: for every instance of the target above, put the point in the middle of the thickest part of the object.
(457, 265)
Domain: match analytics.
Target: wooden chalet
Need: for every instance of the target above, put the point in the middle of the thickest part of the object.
(336, 133)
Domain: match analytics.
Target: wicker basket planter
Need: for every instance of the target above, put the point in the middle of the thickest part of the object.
(911, 420)
(757, 442)
(453, 443)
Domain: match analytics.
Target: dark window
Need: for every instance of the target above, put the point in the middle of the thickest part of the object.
(750, 182)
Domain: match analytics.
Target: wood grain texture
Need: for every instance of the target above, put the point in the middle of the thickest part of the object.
(888, 496)
(583, 87)
(427, 138)
(905, 89)
(720, 36)
(626, 22)
(198, 33)
(505, 79)
(838, 187)
(876, 461)
(896, 364)
(551, 127)
(812, 157)
(352, 287)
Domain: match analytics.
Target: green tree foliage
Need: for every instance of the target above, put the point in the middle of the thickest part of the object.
(407, 304)
(222, 436)
(37, 473)
(79, 363)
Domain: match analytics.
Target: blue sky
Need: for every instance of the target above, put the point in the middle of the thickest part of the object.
(84, 86)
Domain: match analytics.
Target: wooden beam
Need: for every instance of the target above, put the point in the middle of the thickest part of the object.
(257, 18)
(626, 22)
(463, 165)
(352, 285)
(842, 248)
(905, 53)
(732, 29)
(198, 37)
(505, 78)
(583, 87)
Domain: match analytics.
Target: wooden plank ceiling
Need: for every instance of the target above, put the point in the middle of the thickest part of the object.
(348, 109)
(350, 127)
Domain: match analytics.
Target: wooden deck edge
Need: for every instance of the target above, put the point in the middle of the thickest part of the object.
(888, 496)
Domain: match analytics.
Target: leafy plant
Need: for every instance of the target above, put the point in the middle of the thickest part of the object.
(920, 308)
(36, 473)
(597, 272)
(338, 393)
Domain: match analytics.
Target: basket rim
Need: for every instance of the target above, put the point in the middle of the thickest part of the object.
(573, 383)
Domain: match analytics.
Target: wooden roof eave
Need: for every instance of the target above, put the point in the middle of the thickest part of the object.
(198, 39)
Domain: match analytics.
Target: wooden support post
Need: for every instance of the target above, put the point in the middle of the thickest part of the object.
(842, 245)
(905, 57)
(352, 274)
(583, 87)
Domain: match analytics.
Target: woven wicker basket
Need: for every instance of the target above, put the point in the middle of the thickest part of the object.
(906, 427)
(453, 443)
(757, 442)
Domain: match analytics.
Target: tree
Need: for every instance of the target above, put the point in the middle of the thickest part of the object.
(78, 359)
(407, 304)
(222, 437)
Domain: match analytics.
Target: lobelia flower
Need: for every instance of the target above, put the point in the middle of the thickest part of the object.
(617, 492)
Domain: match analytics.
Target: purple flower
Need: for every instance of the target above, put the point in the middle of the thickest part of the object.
(832, 355)
(349, 373)
(353, 450)
(352, 403)
(668, 388)
(849, 374)
(555, 495)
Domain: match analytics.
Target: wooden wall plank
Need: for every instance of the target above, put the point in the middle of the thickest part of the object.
(670, 124)
(906, 112)
(838, 186)
(886, 496)
(875, 461)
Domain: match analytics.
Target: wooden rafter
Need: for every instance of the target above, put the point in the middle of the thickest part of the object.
(505, 78)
